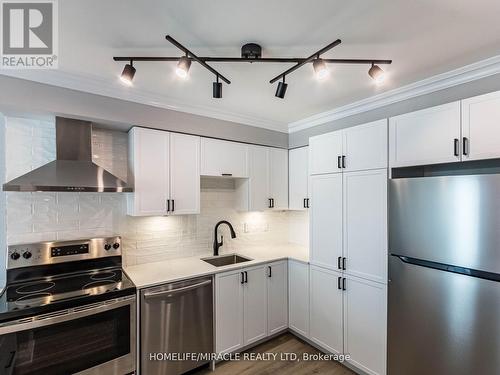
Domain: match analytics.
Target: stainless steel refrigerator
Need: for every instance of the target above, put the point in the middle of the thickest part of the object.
(444, 275)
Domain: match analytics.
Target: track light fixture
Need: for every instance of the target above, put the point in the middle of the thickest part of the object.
(251, 53)
(217, 89)
(320, 69)
(281, 89)
(128, 74)
(377, 74)
(183, 66)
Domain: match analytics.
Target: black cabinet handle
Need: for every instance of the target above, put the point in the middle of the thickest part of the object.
(305, 204)
(338, 263)
(173, 205)
(343, 284)
(227, 174)
(168, 205)
(307, 200)
(465, 145)
(339, 165)
(272, 202)
(242, 277)
(270, 273)
(343, 161)
(456, 145)
(343, 263)
(338, 283)
(246, 276)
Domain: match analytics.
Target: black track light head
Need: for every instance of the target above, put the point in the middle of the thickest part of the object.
(183, 66)
(217, 89)
(281, 89)
(128, 74)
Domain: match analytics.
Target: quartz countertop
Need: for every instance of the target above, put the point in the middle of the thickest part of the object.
(151, 274)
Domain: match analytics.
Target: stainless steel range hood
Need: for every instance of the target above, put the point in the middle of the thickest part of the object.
(73, 169)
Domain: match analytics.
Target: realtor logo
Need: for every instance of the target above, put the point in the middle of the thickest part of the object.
(29, 34)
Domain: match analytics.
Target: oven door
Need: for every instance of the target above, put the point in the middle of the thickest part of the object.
(95, 339)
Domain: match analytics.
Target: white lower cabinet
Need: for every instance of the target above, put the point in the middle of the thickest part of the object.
(298, 297)
(326, 309)
(277, 297)
(254, 304)
(365, 324)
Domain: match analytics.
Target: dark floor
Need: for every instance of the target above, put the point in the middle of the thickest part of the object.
(286, 343)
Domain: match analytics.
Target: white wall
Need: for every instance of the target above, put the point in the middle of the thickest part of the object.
(33, 217)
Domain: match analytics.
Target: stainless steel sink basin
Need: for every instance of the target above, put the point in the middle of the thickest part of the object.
(226, 260)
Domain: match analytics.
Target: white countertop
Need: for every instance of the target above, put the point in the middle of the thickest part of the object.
(150, 274)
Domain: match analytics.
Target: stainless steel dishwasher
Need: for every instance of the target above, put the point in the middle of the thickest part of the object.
(176, 318)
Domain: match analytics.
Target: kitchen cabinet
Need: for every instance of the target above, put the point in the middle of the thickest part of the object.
(365, 324)
(277, 297)
(268, 182)
(298, 297)
(229, 311)
(481, 127)
(254, 304)
(324, 150)
(326, 309)
(428, 136)
(165, 170)
(326, 219)
(223, 158)
(365, 224)
(298, 173)
(149, 163)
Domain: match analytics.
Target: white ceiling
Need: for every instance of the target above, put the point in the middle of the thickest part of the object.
(424, 38)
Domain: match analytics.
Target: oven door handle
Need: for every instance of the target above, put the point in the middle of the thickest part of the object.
(43, 320)
(165, 293)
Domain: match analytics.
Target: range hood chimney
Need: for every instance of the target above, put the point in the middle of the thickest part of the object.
(73, 169)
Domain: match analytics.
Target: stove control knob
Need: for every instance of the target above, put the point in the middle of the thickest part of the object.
(15, 256)
(107, 247)
(26, 255)
(116, 245)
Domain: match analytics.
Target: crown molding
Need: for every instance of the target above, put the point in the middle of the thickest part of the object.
(100, 86)
(438, 82)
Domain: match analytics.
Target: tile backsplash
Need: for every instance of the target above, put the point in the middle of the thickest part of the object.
(32, 217)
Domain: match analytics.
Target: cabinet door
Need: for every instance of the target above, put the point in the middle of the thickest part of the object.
(229, 311)
(278, 177)
(324, 151)
(184, 174)
(326, 220)
(365, 324)
(365, 146)
(298, 297)
(149, 152)
(255, 304)
(326, 309)
(277, 297)
(298, 178)
(258, 165)
(425, 137)
(365, 224)
(220, 158)
(481, 127)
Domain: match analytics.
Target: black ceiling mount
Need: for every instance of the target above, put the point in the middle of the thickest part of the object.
(250, 53)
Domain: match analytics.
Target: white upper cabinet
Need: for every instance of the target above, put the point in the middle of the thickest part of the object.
(258, 191)
(326, 309)
(365, 146)
(324, 153)
(298, 178)
(277, 297)
(184, 174)
(365, 224)
(149, 163)
(278, 178)
(481, 127)
(429, 136)
(165, 168)
(365, 324)
(298, 297)
(223, 158)
(326, 219)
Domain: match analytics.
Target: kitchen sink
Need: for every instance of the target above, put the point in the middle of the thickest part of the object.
(225, 260)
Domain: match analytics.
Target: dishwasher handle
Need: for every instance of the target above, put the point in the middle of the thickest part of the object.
(176, 291)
